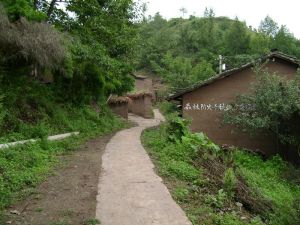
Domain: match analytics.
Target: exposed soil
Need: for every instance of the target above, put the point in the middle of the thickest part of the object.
(69, 196)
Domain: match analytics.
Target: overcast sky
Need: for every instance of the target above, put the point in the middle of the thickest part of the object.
(285, 12)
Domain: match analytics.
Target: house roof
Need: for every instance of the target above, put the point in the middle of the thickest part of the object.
(227, 73)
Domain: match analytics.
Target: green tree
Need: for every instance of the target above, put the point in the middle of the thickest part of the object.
(268, 27)
(177, 72)
(237, 38)
(284, 41)
(260, 43)
(202, 71)
(22, 8)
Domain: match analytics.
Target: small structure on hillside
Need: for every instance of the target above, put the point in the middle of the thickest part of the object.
(119, 105)
(141, 104)
(143, 84)
(203, 103)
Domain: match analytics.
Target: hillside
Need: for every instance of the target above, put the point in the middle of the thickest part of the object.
(185, 51)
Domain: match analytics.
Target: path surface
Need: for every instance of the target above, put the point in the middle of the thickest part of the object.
(130, 193)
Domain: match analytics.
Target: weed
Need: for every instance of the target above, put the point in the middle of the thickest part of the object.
(180, 194)
(92, 222)
(270, 182)
(217, 200)
(229, 182)
(181, 170)
(39, 210)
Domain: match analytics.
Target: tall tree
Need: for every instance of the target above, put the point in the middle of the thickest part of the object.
(183, 11)
(284, 41)
(237, 38)
(268, 26)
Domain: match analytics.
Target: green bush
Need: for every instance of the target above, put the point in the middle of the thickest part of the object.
(167, 108)
(229, 182)
(217, 200)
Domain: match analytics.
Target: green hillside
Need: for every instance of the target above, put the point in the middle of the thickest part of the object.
(184, 51)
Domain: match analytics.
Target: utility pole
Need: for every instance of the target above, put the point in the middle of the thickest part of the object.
(220, 64)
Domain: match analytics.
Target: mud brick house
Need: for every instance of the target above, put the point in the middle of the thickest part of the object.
(141, 104)
(143, 84)
(203, 103)
(119, 105)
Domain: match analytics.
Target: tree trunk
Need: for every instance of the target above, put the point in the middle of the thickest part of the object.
(51, 8)
(35, 4)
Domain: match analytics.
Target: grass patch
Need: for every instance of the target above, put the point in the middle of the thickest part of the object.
(25, 166)
(271, 179)
(220, 187)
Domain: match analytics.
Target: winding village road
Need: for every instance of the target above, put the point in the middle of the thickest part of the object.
(130, 191)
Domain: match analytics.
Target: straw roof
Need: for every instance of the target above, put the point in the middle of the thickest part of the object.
(140, 95)
(118, 100)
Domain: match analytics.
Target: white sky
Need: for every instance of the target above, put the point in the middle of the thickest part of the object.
(285, 12)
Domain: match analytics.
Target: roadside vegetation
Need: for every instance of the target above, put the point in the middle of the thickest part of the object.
(222, 186)
(57, 69)
(28, 116)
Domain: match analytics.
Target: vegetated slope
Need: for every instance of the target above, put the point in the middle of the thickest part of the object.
(223, 186)
(34, 110)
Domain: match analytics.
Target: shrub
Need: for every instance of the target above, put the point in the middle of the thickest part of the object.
(270, 108)
(217, 200)
(208, 185)
(229, 182)
(35, 43)
(181, 170)
(176, 127)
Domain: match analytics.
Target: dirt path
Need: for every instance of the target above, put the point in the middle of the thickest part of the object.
(130, 193)
(69, 196)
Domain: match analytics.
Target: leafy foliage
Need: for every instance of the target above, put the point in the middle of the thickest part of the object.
(96, 59)
(272, 106)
